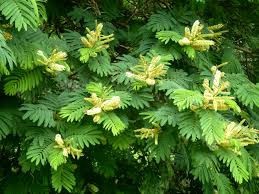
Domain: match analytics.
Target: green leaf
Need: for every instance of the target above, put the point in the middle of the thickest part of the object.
(101, 65)
(141, 99)
(248, 94)
(160, 21)
(6, 124)
(7, 57)
(223, 184)
(22, 81)
(38, 153)
(212, 125)
(75, 110)
(112, 122)
(205, 165)
(162, 151)
(184, 99)
(162, 116)
(122, 141)
(39, 113)
(56, 157)
(63, 177)
(191, 53)
(189, 125)
(235, 164)
(20, 12)
(166, 36)
(84, 135)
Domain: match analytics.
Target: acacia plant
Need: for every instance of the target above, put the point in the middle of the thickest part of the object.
(129, 96)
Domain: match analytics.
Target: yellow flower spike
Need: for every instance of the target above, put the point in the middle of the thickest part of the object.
(237, 136)
(187, 32)
(101, 105)
(197, 40)
(94, 43)
(55, 62)
(215, 95)
(215, 27)
(94, 111)
(67, 148)
(195, 28)
(145, 133)
(147, 72)
(111, 104)
(184, 41)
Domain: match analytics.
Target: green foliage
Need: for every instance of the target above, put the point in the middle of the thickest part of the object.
(22, 81)
(63, 177)
(7, 57)
(212, 125)
(166, 36)
(158, 96)
(236, 165)
(23, 13)
(189, 125)
(111, 121)
(184, 99)
(39, 113)
(164, 115)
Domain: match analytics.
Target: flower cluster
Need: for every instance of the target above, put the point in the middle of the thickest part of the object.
(216, 96)
(100, 105)
(145, 133)
(94, 42)
(147, 72)
(67, 147)
(55, 62)
(196, 39)
(238, 136)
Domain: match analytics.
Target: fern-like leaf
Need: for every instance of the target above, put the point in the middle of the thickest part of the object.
(20, 12)
(63, 177)
(212, 125)
(161, 21)
(141, 99)
(184, 99)
(39, 113)
(164, 115)
(248, 94)
(75, 110)
(6, 57)
(6, 124)
(112, 122)
(206, 166)
(85, 136)
(166, 36)
(56, 157)
(162, 151)
(189, 125)
(101, 65)
(236, 165)
(22, 81)
(223, 184)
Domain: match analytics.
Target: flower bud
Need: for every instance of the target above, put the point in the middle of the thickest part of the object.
(57, 67)
(129, 74)
(96, 118)
(94, 111)
(65, 152)
(150, 81)
(184, 41)
(59, 140)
